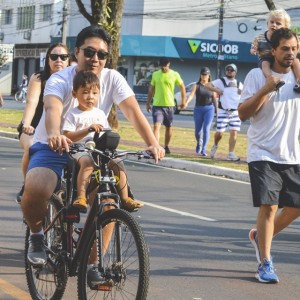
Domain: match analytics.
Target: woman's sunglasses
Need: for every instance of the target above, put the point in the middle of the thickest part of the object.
(89, 53)
(55, 57)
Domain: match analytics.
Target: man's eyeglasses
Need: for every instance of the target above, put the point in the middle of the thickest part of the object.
(55, 57)
(230, 70)
(89, 53)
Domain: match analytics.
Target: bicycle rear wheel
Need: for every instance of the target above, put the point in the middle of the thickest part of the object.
(49, 281)
(125, 261)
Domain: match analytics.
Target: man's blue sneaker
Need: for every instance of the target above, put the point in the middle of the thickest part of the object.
(254, 242)
(198, 149)
(265, 272)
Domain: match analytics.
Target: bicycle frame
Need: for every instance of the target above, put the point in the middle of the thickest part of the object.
(121, 260)
(71, 215)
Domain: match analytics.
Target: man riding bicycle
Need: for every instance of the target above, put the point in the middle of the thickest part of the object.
(47, 157)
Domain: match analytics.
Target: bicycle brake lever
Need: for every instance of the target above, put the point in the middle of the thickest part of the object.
(146, 154)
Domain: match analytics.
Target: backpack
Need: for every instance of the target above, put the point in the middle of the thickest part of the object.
(226, 86)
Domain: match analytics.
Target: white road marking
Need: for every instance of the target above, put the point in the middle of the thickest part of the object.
(182, 213)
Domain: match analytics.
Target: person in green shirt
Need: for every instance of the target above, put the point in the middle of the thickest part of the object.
(162, 91)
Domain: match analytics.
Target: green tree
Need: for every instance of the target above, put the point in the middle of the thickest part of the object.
(107, 13)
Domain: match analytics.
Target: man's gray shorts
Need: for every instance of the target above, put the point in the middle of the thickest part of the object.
(275, 184)
(163, 115)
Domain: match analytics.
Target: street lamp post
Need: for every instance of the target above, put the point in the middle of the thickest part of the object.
(220, 38)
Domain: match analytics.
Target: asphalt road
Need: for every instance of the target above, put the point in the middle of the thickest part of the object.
(196, 227)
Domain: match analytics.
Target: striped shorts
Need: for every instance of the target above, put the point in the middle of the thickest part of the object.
(228, 119)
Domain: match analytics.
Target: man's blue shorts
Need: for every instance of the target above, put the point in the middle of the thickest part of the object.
(42, 156)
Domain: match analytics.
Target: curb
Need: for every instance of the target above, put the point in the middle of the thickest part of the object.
(201, 168)
(182, 165)
(9, 135)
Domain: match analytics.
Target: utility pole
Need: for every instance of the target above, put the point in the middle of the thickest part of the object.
(64, 23)
(220, 38)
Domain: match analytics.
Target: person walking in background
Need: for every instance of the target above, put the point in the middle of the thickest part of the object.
(57, 58)
(162, 88)
(23, 87)
(273, 148)
(205, 108)
(261, 46)
(229, 90)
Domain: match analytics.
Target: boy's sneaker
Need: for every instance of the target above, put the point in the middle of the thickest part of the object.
(167, 150)
(232, 157)
(213, 151)
(20, 195)
(36, 251)
(254, 242)
(96, 281)
(297, 88)
(198, 149)
(265, 272)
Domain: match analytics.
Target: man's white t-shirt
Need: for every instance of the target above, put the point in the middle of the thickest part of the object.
(268, 139)
(77, 119)
(230, 98)
(113, 89)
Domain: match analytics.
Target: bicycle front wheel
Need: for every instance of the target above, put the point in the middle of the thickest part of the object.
(18, 96)
(48, 282)
(124, 264)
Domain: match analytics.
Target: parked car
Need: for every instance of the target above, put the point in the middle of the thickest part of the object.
(178, 99)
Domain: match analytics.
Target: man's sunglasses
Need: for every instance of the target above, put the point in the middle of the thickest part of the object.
(89, 53)
(55, 57)
(230, 70)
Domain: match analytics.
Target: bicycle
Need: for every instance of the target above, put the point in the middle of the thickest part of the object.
(123, 264)
(21, 94)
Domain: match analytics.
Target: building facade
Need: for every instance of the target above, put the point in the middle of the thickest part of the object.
(187, 32)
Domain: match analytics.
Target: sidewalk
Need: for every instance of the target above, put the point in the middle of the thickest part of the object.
(196, 167)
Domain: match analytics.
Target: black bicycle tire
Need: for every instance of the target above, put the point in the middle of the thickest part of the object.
(33, 289)
(141, 247)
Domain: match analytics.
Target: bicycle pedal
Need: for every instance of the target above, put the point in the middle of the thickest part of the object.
(104, 286)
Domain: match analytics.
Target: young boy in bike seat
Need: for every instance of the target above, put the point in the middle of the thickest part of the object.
(80, 124)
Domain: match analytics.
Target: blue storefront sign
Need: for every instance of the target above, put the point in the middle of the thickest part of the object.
(208, 49)
(182, 48)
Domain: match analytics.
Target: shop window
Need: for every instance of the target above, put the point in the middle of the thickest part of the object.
(7, 16)
(46, 12)
(26, 17)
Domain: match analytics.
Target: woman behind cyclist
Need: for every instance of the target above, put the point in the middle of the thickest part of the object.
(205, 108)
(57, 58)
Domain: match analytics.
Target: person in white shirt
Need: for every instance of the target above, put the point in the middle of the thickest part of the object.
(47, 157)
(229, 90)
(80, 125)
(273, 148)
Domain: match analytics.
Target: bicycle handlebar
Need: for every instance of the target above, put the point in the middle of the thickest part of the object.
(89, 147)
